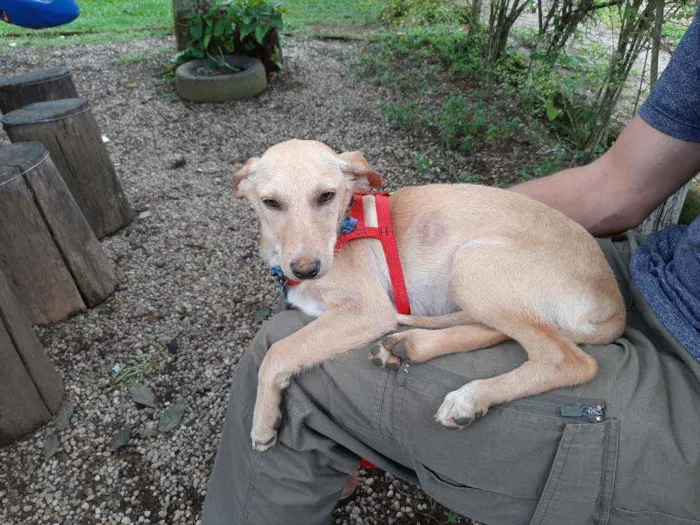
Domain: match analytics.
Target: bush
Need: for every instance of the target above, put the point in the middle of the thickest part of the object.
(247, 27)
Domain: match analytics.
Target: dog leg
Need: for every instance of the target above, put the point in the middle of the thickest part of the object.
(335, 332)
(554, 362)
(418, 346)
(496, 284)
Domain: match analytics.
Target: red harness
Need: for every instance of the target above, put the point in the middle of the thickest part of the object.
(384, 232)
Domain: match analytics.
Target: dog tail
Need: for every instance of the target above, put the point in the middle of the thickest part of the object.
(439, 321)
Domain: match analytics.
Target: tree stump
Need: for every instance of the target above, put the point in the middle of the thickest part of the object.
(37, 86)
(181, 10)
(54, 263)
(69, 131)
(30, 388)
(666, 214)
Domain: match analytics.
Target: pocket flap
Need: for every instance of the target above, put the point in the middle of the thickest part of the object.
(579, 486)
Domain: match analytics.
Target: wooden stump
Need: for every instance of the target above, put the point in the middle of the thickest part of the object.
(30, 388)
(54, 262)
(69, 131)
(37, 86)
(666, 214)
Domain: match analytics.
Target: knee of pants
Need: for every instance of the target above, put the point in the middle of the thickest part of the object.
(245, 376)
(276, 328)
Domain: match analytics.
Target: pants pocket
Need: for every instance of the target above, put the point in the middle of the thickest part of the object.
(484, 506)
(548, 458)
(579, 487)
(634, 517)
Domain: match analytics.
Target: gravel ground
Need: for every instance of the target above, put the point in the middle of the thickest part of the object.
(191, 282)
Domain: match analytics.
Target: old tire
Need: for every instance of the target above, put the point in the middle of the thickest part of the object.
(251, 81)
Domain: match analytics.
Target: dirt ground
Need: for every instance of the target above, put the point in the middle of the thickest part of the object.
(191, 283)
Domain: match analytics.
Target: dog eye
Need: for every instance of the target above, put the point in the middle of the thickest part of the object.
(326, 197)
(272, 203)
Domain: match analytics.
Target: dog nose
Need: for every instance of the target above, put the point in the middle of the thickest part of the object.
(304, 268)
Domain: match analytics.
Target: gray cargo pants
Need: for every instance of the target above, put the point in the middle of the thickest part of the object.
(531, 461)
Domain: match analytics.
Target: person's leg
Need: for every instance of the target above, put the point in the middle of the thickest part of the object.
(532, 459)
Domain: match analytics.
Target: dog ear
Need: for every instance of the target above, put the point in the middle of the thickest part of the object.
(359, 168)
(241, 175)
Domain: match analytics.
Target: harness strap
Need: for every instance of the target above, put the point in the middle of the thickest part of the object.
(385, 234)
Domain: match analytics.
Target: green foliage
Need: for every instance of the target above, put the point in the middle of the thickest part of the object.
(240, 26)
(422, 163)
(404, 115)
(423, 13)
(548, 165)
(137, 369)
(467, 177)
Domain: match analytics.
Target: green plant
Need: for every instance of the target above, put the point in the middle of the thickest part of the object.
(138, 368)
(249, 27)
(422, 163)
(546, 166)
(466, 177)
(403, 115)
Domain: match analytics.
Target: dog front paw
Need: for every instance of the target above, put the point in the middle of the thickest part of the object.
(461, 407)
(263, 435)
(382, 357)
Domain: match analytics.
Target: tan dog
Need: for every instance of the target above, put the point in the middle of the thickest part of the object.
(483, 264)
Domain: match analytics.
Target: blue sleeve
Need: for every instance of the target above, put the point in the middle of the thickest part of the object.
(673, 106)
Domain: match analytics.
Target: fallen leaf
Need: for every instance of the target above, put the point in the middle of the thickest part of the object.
(62, 420)
(262, 314)
(121, 438)
(172, 417)
(131, 85)
(143, 395)
(51, 447)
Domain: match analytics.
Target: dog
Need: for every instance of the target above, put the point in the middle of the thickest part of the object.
(481, 265)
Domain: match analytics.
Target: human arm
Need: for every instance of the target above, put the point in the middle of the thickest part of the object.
(655, 155)
(620, 189)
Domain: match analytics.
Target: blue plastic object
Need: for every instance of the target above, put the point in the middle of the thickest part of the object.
(38, 14)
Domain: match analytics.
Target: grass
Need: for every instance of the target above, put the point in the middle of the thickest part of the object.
(118, 20)
(99, 20)
(304, 13)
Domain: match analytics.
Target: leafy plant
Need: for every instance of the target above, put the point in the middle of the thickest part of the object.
(139, 367)
(422, 163)
(248, 27)
(403, 115)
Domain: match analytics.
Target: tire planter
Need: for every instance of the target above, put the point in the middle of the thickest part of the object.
(250, 81)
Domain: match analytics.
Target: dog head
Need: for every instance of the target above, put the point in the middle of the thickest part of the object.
(300, 191)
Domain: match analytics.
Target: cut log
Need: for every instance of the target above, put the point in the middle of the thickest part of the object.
(182, 9)
(68, 130)
(37, 86)
(30, 388)
(665, 215)
(54, 262)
